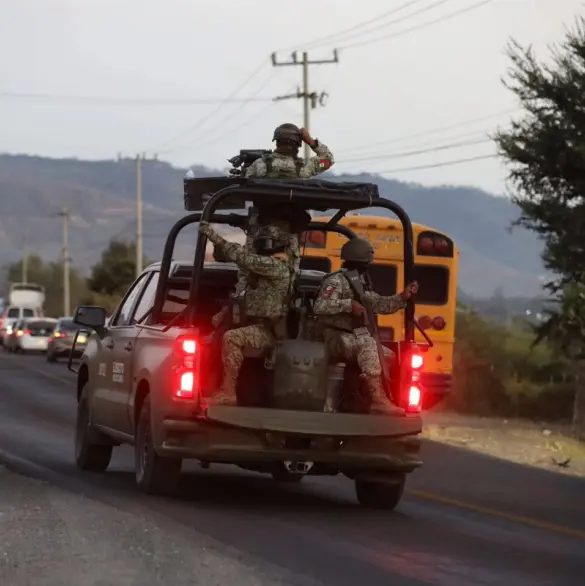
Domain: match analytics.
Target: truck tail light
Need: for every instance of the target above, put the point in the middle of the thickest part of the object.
(414, 399)
(187, 372)
(439, 323)
(416, 361)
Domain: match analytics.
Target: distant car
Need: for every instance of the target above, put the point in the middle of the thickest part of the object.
(61, 341)
(30, 335)
(11, 315)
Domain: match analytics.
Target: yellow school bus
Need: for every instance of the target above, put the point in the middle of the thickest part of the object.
(436, 262)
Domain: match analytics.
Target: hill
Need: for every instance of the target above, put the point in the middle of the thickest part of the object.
(101, 198)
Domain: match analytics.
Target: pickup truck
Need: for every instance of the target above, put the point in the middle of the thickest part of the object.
(145, 378)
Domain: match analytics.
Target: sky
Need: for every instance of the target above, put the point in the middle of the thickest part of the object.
(94, 78)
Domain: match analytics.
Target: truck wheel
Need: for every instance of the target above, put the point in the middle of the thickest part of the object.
(51, 357)
(374, 494)
(155, 474)
(90, 455)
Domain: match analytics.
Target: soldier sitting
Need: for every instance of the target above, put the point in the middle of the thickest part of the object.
(336, 305)
(266, 300)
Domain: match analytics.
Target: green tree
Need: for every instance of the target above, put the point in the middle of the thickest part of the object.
(50, 276)
(546, 152)
(115, 271)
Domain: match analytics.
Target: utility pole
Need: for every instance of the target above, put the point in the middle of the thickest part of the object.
(140, 159)
(310, 99)
(25, 265)
(139, 247)
(66, 259)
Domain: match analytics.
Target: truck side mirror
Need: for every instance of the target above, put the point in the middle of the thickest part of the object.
(90, 316)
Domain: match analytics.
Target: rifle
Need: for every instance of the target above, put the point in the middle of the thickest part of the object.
(370, 325)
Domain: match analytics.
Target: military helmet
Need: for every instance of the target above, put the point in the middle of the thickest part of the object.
(271, 240)
(289, 132)
(358, 250)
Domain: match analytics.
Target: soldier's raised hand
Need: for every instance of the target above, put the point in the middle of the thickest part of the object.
(410, 291)
(306, 137)
(205, 228)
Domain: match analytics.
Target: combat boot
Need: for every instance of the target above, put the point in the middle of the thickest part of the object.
(225, 395)
(380, 405)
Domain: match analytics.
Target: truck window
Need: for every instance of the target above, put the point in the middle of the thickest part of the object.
(26, 312)
(315, 263)
(122, 316)
(13, 312)
(146, 300)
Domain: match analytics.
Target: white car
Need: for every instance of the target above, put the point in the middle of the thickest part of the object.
(31, 335)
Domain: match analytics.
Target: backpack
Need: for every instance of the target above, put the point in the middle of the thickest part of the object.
(282, 172)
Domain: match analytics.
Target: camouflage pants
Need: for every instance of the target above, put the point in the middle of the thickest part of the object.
(255, 337)
(361, 349)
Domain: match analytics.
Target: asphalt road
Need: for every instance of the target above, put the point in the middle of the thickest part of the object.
(466, 519)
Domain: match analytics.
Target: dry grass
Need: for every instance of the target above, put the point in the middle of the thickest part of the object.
(523, 442)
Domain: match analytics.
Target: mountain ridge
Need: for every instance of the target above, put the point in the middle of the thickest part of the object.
(100, 196)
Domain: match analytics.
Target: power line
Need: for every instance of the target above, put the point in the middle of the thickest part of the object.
(417, 27)
(131, 101)
(435, 130)
(385, 25)
(205, 118)
(398, 155)
(343, 32)
(443, 164)
(219, 124)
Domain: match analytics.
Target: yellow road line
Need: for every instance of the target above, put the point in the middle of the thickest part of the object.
(430, 496)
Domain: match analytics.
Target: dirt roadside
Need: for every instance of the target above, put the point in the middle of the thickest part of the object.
(535, 444)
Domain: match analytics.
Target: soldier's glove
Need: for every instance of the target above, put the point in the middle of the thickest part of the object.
(357, 308)
(410, 291)
(205, 228)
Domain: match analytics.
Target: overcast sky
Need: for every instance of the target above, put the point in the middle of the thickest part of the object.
(386, 98)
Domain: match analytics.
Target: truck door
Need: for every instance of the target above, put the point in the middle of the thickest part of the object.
(116, 356)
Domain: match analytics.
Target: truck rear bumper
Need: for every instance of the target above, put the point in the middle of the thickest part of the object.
(343, 442)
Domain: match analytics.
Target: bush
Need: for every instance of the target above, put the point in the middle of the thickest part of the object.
(496, 371)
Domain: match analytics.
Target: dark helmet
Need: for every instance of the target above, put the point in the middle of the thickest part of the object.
(288, 132)
(357, 250)
(270, 240)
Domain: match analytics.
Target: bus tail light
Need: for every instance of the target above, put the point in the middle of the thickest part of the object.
(439, 323)
(425, 322)
(187, 372)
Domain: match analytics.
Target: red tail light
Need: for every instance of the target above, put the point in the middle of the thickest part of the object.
(187, 384)
(23, 333)
(414, 399)
(60, 334)
(439, 323)
(425, 322)
(416, 361)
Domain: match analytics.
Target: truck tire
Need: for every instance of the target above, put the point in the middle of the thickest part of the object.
(374, 494)
(90, 455)
(51, 357)
(155, 474)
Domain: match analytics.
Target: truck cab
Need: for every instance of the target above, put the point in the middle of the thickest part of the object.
(146, 375)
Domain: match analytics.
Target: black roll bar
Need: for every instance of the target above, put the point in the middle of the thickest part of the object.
(235, 220)
(300, 194)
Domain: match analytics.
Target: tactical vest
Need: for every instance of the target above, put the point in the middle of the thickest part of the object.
(277, 172)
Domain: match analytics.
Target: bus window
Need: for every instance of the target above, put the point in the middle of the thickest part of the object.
(433, 283)
(315, 263)
(384, 278)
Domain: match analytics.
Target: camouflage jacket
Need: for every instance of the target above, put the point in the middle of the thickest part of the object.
(266, 295)
(278, 166)
(333, 303)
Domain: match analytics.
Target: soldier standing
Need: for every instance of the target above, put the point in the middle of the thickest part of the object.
(266, 299)
(337, 303)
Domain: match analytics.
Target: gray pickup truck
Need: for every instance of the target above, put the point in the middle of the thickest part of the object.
(146, 374)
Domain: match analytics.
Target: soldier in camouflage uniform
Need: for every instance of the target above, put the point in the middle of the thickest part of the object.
(266, 299)
(336, 304)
